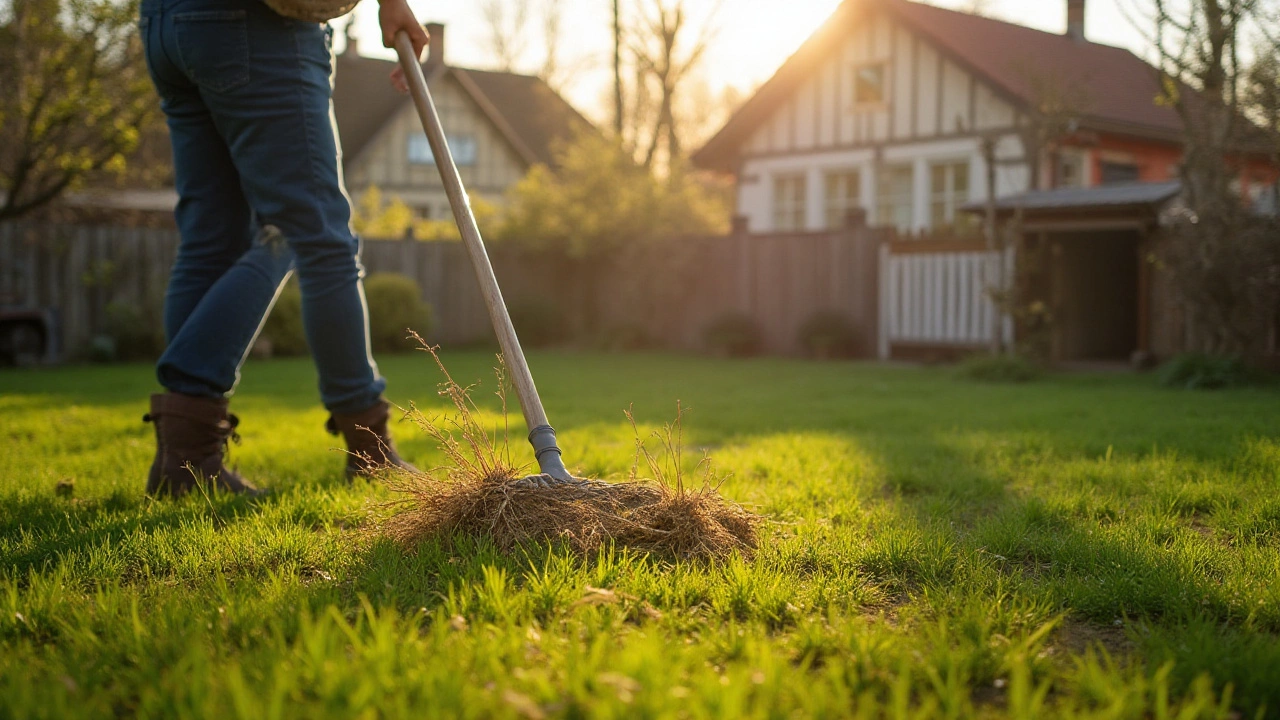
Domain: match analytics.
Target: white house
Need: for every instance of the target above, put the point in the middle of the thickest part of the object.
(888, 106)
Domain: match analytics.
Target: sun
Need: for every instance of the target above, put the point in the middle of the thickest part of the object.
(754, 37)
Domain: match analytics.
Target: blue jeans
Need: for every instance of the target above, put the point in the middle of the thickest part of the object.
(248, 98)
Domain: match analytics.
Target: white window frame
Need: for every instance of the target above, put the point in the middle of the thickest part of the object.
(790, 209)
(858, 100)
(949, 196)
(463, 147)
(835, 208)
(1078, 163)
(900, 215)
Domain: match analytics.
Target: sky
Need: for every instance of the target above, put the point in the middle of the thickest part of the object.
(752, 38)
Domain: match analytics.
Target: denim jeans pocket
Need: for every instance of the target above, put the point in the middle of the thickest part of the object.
(214, 48)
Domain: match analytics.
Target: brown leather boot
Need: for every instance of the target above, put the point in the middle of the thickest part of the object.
(191, 442)
(369, 445)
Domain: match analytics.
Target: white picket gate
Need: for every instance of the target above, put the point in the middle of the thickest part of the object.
(932, 295)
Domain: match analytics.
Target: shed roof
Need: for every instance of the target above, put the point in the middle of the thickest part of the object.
(1125, 195)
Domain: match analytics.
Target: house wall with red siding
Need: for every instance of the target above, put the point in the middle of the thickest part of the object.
(1156, 161)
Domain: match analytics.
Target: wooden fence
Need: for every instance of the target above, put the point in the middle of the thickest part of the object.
(78, 271)
(936, 298)
(668, 293)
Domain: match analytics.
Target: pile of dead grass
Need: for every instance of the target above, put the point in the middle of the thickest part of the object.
(481, 492)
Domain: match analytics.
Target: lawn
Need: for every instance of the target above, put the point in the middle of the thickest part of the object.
(1086, 545)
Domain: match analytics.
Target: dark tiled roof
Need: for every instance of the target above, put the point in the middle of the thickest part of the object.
(531, 115)
(1118, 88)
(363, 100)
(1101, 196)
(536, 114)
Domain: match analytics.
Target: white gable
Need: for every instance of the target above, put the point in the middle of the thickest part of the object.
(927, 95)
(921, 142)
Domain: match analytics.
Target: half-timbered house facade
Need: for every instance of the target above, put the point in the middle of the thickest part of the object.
(895, 107)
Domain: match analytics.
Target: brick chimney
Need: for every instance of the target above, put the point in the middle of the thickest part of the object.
(1075, 20)
(435, 51)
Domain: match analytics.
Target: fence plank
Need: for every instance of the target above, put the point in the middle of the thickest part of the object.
(887, 305)
(8, 293)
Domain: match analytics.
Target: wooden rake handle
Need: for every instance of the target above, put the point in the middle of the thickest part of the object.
(540, 432)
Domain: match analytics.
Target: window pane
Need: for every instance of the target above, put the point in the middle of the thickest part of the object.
(895, 197)
(789, 202)
(869, 84)
(463, 148)
(1119, 173)
(961, 180)
(420, 151)
(938, 184)
(843, 194)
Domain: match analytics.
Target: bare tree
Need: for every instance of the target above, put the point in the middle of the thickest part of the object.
(665, 59)
(1262, 90)
(619, 109)
(1057, 105)
(513, 42)
(507, 22)
(1225, 261)
(551, 67)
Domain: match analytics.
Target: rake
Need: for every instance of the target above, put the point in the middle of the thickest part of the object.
(541, 435)
(553, 504)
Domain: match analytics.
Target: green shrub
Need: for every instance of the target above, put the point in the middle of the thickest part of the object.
(733, 335)
(1201, 371)
(626, 337)
(827, 334)
(284, 333)
(130, 333)
(395, 307)
(999, 368)
(284, 327)
(539, 322)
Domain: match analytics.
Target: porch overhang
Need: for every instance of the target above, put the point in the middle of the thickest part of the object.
(1129, 206)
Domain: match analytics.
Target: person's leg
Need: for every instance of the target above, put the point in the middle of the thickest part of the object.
(192, 424)
(274, 114)
(222, 283)
(280, 132)
(205, 356)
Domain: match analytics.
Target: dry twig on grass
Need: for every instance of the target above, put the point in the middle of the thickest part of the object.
(481, 492)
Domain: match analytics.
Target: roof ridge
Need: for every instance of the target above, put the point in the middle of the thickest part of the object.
(391, 61)
(1012, 24)
(486, 105)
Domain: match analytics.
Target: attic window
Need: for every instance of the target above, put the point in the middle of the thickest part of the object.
(868, 85)
(463, 148)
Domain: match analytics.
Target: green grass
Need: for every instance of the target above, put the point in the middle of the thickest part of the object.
(1082, 546)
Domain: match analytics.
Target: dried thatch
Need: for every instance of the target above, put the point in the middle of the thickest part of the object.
(480, 493)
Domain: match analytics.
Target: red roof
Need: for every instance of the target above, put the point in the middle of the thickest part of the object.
(1115, 88)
